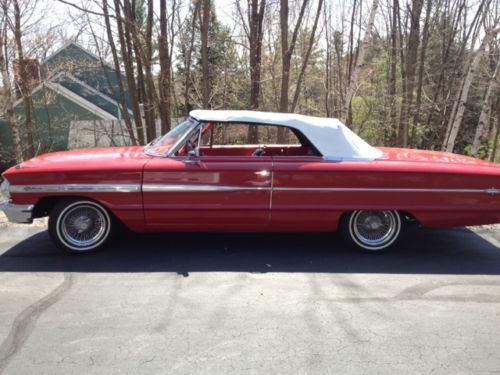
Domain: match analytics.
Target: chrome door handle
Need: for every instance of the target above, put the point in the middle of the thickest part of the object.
(263, 173)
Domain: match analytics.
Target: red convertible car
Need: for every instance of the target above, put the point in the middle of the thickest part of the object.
(251, 171)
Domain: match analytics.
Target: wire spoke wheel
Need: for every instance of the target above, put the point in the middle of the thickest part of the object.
(82, 226)
(374, 230)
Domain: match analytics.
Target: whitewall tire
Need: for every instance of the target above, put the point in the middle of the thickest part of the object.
(79, 226)
(371, 231)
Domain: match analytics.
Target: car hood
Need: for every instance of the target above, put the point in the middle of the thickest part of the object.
(425, 156)
(85, 159)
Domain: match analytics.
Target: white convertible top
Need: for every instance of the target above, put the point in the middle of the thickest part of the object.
(333, 139)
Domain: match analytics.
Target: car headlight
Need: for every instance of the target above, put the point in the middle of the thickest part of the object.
(5, 189)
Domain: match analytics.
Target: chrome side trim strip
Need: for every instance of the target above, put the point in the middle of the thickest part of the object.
(156, 188)
(386, 190)
(209, 188)
(492, 191)
(76, 188)
(133, 188)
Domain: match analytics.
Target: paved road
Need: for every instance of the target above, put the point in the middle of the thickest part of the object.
(251, 304)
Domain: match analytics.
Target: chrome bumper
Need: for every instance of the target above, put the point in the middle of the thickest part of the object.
(18, 213)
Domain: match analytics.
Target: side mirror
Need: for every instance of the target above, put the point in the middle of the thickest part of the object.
(193, 156)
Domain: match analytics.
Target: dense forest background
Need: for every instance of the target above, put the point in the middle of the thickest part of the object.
(409, 73)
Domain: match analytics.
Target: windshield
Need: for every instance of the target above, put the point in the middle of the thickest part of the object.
(164, 144)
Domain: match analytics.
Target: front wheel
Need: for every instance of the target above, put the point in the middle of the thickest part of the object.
(80, 226)
(371, 231)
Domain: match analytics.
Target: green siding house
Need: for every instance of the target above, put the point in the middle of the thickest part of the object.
(74, 86)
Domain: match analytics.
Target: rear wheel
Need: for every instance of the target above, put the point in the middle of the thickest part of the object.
(80, 226)
(371, 231)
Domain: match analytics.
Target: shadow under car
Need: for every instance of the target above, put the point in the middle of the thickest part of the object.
(421, 251)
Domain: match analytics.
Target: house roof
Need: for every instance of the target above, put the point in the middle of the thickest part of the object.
(89, 70)
(332, 138)
(83, 84)
(81, 93)
(60, 89)
(76, 45)
(68, 94)
(113, 104)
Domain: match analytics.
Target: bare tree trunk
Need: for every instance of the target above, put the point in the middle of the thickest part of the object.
(123, 104)
(486, 110)
(455, 123)
(328, 65)
(339, 53)
(255, 22)
(23, 80)
(402, 59)
(125, 28)
(351, 40)
(187, 65)
(411, 63)
(272, 71)
(352, 54)
(286, 56)
(392, 72)
(493, 156)
(255, 40)
(165, 65)
(144, 94)
(147, 63)
(287, 49)
(285, 60)
(423, 53)
(473, 30)
(446, 50)
(204, 54)
(9, 101)
(306, 57)
(360, 62)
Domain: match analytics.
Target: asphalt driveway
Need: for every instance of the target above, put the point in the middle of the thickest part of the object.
(250, 304)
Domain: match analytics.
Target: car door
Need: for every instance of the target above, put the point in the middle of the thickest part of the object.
(207, 192)
(299, 203)
(312, 193)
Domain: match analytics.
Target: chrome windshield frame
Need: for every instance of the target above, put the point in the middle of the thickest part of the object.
(184, 138)
(175, 147)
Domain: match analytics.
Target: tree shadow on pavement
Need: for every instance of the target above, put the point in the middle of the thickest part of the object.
(421, 251)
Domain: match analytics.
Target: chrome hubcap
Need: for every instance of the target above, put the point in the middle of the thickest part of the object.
(372, 223)
(82, 223)
(374, 229)
(83, 226)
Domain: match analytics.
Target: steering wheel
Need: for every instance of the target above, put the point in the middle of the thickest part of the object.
(259, 152)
